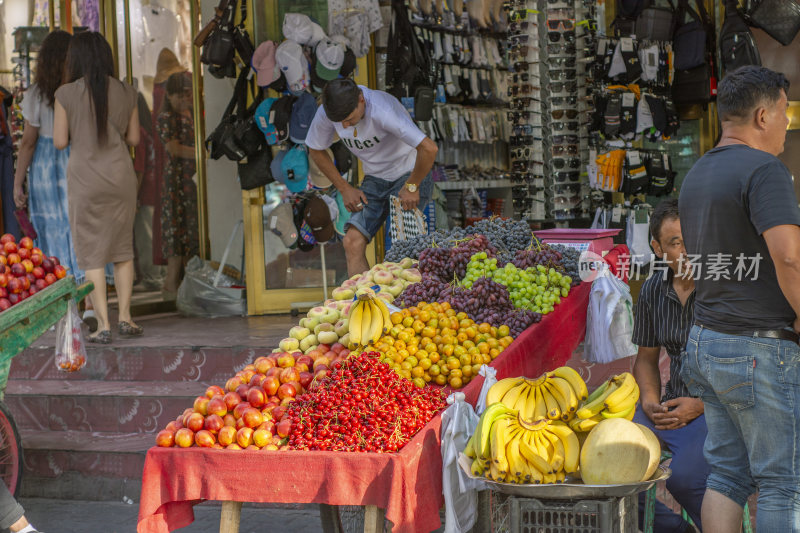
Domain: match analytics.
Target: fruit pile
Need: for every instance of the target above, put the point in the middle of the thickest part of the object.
(362, 406)
(431, 343)
(24, 270)
(368, 319)
(390, 277)
(538, 288)
(531, 432)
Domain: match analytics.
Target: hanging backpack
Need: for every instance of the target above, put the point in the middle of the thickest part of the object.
(737, 47)
(693, 45)
(655, 23)
(628, 11)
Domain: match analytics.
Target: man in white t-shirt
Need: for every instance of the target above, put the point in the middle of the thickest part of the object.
(396, 157)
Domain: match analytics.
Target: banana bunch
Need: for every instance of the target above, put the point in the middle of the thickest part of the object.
(507, 448)
(368, 319)
(616, 398)
(553, 395)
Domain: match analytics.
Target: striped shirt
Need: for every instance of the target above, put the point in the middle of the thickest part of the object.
(661, 320)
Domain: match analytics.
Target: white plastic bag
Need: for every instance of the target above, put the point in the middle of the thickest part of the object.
(460, 492)
(206, 293)
(489, 378)
(70, 348)
(609, 319)
(638, 237)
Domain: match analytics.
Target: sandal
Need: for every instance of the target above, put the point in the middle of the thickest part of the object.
(104, 337)
(90, 320)
(126, 329)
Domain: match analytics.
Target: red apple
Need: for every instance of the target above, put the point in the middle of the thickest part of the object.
(289, 374)
(7, 237)
(214, 390)
(55, 260)
(232, 400)
(37, 259)
(263, 364)
(165, 439)
(256, 397)
(227, 435)
(241, 390)
(232, 383)
(195, 422)
(50, 279)
(10, 247)
(18, 269)
(284, 427)
(26, 283)
(204, 439)
(229, 420)
(14, 259)
(278, 412)
(239, 410)
(201, 405)
(252, 418)
(5, 303)
(287, 390)
(270, 384)
(184, 437)
(261, 437)
(14, 286)
(24, 254)
(213, 423)
(26, 242)
(217, 406)
(305, 379)
(38, 272)
(41, 284)
(60, 272)
(244, 437)
(47, 265)
(285, 360)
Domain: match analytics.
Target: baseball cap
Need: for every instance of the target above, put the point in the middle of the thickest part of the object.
(294, 66)
(349, 62)
(342, 157)
(275, 166)
(281, 114)
(294, 168)
(263, 62)
(343, 217)
(301, 29)
(303, 111)
(330, 56)
(264, 120)
(318, 216)
(281, 223)
(318, 179)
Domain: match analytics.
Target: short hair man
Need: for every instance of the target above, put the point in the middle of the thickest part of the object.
(397, 158)
(664, 315)
(738, 206)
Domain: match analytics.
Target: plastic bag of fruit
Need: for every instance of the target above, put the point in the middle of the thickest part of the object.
(70, 347)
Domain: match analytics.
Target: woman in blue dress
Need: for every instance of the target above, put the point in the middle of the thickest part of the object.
(40, 162)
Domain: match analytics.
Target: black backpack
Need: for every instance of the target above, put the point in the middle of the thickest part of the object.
(628, 11)
(737, 47)
(693, 45)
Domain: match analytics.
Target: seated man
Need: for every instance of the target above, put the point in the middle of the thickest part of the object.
(664, 315)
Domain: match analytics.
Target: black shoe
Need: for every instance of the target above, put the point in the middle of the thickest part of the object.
(104, 337)
(126, 329)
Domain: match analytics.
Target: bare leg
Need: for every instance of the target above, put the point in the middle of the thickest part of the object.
(123, 280)
(720, 514)
(98, 295)
(19, 525)
(173, 278)
(355, 248)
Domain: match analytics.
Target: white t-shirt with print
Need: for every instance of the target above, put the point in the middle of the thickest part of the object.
(387, 138)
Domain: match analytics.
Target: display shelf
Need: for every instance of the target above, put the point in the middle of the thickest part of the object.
(477, 184)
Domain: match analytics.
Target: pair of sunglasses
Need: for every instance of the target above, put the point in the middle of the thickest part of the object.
(572, 176)
(556, 36)
(561, 126)
(561, 149)
(561, 24)
(560, 113)
(570, 162)
(563, 74)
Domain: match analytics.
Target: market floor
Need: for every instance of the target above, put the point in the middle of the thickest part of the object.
(65, 516)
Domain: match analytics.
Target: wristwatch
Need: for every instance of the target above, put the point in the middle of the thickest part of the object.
(411, 187)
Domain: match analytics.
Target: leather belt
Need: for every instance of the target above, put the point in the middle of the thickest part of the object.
(782, 334)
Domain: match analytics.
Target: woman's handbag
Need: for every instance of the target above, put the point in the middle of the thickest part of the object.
(779, 18)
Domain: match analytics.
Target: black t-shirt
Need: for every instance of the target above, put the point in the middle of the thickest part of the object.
(729, 198)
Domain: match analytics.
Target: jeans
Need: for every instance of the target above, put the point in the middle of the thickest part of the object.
(689, 472)
(368, 221)
(751, 390)
(10, 510)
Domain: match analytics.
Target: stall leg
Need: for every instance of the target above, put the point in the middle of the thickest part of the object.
(230, 516)
(329, 516)
(373, 519)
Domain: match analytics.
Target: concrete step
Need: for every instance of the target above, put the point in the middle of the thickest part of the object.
(89, 406)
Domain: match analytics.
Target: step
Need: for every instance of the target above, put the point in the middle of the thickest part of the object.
(83, 465)
(90, 406)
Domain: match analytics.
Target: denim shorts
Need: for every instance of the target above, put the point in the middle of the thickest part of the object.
(368, 221)
(751, 390)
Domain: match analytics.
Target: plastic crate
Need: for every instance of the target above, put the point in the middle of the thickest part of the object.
(512, 514)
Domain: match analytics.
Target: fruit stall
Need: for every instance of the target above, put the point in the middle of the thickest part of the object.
(357, 420)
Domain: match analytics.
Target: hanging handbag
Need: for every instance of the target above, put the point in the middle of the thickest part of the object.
(222, 141)
(779, 18)
(254, 171)
(219, 47)
(241, 39)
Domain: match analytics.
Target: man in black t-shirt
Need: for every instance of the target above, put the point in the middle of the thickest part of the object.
(741, 227)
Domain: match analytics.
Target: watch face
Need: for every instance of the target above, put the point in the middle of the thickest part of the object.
(411, 187)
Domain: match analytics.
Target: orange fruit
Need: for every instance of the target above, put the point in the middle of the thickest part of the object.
(428, 332)
(434, 357)
(396, 317)
(440, 380)
(413, 361)
(400, 344)
(456, 383)
(446, 306)
(503, 331)
(483, 347)
(418, 372)
(407, 321)
(414, 310)
(405, 312)
(476, 359)
(434, 370)
(426, 378)
(418, 381)
(484, 327)
(425, 364)
(505, 341)
(461, 337)
(452, 362)
(418, 326)
(468, 344)
(424, 316)
(466, 371)
(455, 373)
(412, 349)
(494, 352)
(464, 360)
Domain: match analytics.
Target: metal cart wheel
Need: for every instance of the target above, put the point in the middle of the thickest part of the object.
(10, 451)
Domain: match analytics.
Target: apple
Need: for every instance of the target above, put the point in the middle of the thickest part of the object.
(343, 293)
(14, 259)
(60, 271)
(37, 259)
(50, 279)
(214, 390)
(233, 446)
(55, 261)
(184, 437)
(256, 397)
(244, 437)
(232, 383)
(278, 412)
(7, 237)
(252, 417)
(18, 270)
(40, 284)
(261, 437)
(240, 409)
(286, 360)
(10, 247)
(308, 342)
(289, 344)
(284, 427)
(241, 390)
(287, 390)
(229, 419)
(232, 400)
(165, 438)
(195, 422)
(289, 374)
(201, 405)
(24, 254)
(227, 435)
(14, 286)
(5, 303)
(204, 438)
(47, 265)
(271, 385)
(213, 423)
(305, 379)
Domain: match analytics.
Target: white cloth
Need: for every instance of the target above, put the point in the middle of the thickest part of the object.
(387, 137)
(356, 20)
(37, 111)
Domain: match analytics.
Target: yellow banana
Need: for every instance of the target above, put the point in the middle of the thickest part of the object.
(622, 414)
(563, 406)
(375, 328)
(598, 391)
(469, 450)
(629, 416)
(366, 320)
(476, 468)
(545, 448)
(528, 412)
(540, 407)
(499, 437)
(598, 404)
(574, 379)
(553, 411)
(510, 397)
(356, 322)
(625, 384)
(516, 463)
(522, 399)
(550, 479)
(557, 460)
(499, 389)
(572, 447)
(495, 474)
(627, 402)
(488, 418)
(586, 424)
(533, 474)
(531, 454)
(567, 392)
(560, 476)
(387, 321)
